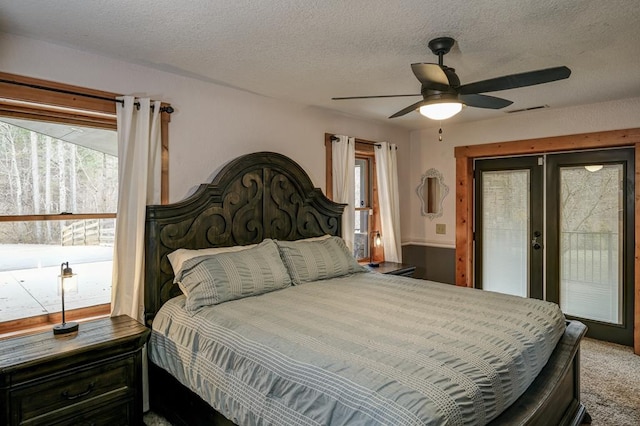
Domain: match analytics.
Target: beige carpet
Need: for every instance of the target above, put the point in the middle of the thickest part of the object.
(610, 383)
(152, 419)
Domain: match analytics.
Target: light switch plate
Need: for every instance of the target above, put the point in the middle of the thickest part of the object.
(441, 228)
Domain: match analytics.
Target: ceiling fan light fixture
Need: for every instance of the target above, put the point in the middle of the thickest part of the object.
(442, 110)
(443, 96)
(594, 167)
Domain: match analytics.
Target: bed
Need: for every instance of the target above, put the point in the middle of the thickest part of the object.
(267, 199)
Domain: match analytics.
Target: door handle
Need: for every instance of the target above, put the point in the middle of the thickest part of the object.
(66, 395)
(534, 242)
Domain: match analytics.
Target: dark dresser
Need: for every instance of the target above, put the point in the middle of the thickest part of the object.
(89, 377)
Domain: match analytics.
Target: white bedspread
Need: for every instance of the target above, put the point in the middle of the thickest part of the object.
(367, 349)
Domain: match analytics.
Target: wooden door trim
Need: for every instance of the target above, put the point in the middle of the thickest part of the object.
(464, 191)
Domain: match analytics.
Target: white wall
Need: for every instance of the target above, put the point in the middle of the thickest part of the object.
(427, 152)
(213, 124)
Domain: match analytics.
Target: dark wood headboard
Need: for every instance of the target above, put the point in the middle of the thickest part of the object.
(256, 196)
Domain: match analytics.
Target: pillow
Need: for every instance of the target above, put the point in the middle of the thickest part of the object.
(178, 257)
(318, 259)
(322, 237)
(210, 280)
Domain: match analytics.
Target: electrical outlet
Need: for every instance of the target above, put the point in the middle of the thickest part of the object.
(441, 228)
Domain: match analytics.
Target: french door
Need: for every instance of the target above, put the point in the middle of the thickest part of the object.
(560, 227)
(508, 212)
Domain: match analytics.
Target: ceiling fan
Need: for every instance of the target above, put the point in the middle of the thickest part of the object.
(443, 96)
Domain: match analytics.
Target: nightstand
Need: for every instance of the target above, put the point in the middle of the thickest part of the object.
(393, 268)
(93, 376)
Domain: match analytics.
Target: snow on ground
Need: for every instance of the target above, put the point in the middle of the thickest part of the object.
(29, 278)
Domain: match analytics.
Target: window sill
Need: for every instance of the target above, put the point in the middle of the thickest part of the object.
(38, 323)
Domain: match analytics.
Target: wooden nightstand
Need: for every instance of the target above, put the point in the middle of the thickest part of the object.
(393, 268)
(93, 376)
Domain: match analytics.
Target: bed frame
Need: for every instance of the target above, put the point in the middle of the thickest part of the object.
(267, 195)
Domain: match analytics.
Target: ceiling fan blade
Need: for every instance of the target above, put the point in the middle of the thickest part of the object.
(516, 80)
(431, 75)
(371, 97)
(408, 109)
(484, 101)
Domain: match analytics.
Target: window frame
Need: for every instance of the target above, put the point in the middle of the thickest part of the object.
(363, 149)
(42, 100)
(368, 207)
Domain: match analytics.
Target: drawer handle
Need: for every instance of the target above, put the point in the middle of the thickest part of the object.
(66, 395)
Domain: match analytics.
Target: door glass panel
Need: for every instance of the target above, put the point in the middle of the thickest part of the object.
(591, 231)
(505, 230)
(362, 184)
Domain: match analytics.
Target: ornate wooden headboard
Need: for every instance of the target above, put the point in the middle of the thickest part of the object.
(256, 196)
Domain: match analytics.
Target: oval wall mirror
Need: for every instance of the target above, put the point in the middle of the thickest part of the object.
(431, 192)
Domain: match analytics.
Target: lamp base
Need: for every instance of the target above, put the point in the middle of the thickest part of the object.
(64, 328)
(373, 265)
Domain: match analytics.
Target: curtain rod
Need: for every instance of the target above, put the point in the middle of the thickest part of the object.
(168, 109)
(335, 138)
(378, 144)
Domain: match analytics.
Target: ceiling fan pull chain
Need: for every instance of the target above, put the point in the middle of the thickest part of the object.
(440, 132)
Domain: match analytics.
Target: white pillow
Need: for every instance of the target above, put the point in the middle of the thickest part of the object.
(178, 257)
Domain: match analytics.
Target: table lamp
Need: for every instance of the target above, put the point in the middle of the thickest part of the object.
(377, 242)
(67, 282)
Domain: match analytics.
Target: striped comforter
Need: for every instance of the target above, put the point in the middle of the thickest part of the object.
(366, 349)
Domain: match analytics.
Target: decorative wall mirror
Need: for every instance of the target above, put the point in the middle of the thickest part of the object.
(431, 192)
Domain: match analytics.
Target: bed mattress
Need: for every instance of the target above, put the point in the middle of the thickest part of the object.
(365, 349)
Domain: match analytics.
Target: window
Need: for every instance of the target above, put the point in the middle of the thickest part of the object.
(58, 199)
(367, 220)
(59, 192)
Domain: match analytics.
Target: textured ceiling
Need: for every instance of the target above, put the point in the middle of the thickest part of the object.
(309, 51)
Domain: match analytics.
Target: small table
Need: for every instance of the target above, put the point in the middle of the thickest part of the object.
(93, 375)
(393, 268)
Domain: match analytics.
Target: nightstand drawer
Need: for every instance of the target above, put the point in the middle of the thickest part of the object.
(73, 389)
(408, 272)
(109, 415)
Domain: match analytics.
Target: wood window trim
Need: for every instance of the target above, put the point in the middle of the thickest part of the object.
(464, 192)
(66, 216)
(364, 148)
(37, 323)
(32, 103)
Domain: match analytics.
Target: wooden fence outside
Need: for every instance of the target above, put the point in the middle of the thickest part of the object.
(91, 232)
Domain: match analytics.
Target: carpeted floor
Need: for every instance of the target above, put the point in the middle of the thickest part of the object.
(152, 419)
(610, 383)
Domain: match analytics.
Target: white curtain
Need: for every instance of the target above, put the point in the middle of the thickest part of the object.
(387, 175)
(343, 154)
(138, 185)
(139, 150)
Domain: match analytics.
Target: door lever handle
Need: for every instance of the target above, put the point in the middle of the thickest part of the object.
(534, 242)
